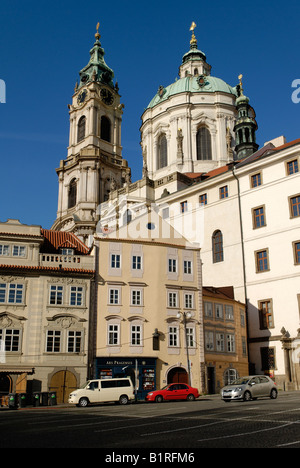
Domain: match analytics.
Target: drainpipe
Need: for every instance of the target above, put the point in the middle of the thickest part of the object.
(243, 254)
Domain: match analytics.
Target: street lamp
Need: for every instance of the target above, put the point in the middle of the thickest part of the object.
(186, 315)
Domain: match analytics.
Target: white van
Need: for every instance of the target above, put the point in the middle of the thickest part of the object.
(101, 391)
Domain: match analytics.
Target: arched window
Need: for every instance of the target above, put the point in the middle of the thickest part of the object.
(203, 141)
(230, 375)
(81, 129)
(105, 129)
(162, 159)
(217, 247)
(72, 195)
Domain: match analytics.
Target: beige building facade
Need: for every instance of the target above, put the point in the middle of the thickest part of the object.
(46, 280)
(149, 316)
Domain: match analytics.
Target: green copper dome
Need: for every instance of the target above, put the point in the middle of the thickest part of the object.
(96, 69)
(192, 84)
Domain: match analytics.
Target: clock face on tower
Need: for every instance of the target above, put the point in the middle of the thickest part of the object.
(106, 96)
(82, 96)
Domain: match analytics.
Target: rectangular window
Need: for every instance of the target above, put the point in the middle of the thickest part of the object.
(53, 341)
(172, 265)
(15, 293)
(209, 341)
(165, 213)
(244, 345)
(190, 336)
(203, 199)
(56, 295)
(208, 309)
(187, 267)
(19, 251)
(256, 180)
(188, 301)
(296, 253)
(173, 336)
(229, 312)
(136, 262)
(113, 335)
(295, 206)
(2, 292)
(219, 311)
(11, 339)
(292, 167)
(4, 250)
(76, 296)
(115, 261)
(262, 261)
(266, 314)
(136, 335)
(136, 297)
(172, 299)
(114, 296)
(183, 207)
(259, 217)
(224, 192)
(74, 341)
(243, 318)
(230, 339)
(220, 340)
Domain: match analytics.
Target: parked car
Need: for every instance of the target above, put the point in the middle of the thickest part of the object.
(250, 388)
(101, 391)
(174, 391)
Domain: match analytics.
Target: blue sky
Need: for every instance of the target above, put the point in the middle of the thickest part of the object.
(45, 44)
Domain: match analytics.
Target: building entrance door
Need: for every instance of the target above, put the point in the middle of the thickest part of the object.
(178, 375)
(63, 383)
(211, 380)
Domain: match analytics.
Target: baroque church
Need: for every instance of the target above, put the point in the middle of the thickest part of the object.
(198, 148)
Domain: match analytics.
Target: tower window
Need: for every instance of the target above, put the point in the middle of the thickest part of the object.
(162, 152)
(72, 193)
(105, 129)
(81, 129)
(203, 141)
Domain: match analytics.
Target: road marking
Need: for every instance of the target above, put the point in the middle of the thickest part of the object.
(246, 433)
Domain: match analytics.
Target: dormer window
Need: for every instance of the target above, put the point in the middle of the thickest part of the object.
(67, 251)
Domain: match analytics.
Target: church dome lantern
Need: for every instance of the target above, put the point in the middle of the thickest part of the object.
(201, 107)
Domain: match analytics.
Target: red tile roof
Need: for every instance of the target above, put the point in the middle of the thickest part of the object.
(46, 268)
(55, 240)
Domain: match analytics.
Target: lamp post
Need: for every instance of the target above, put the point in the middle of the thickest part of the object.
(186, 315)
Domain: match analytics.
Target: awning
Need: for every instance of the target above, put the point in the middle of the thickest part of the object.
(17, 370)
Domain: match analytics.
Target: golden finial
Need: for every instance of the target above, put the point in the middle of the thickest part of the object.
(97, 35)
(193, 41)
(240, 78)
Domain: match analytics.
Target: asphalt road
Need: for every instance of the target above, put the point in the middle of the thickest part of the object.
(187, 427)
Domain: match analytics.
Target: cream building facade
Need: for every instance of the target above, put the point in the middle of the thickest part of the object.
(46, 279)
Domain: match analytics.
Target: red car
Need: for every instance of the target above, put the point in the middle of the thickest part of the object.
(174, 391)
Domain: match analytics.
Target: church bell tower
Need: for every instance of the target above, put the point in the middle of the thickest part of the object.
(94, 165)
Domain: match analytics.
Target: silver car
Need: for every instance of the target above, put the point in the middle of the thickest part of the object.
(249, 388)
